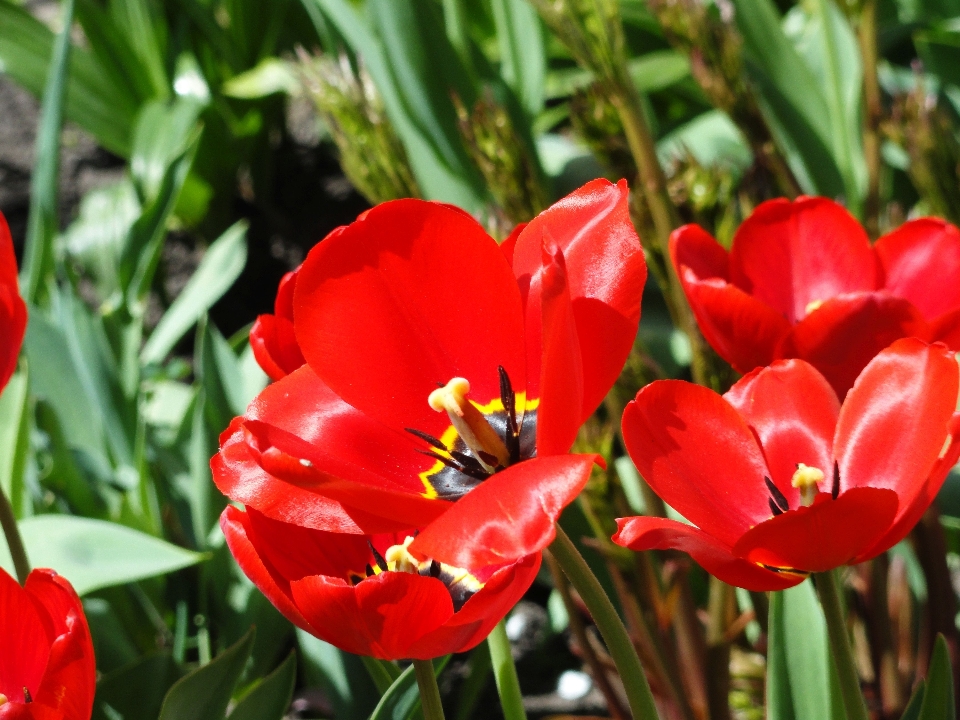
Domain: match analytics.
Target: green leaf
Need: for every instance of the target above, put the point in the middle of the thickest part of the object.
(270, 76)
(938, 701)
(163, 131)
(382, 672)
(342, 677)
(912, 711)
(712, 138)
(402, 700)
(95, 554)
(658, 70)
(135, 692)
(270, 699)
(205, 693)
(523, 60)
(940, 52)
(801, 676)
(93, 101)
(14, 437)
(220, 267)
(43, 221)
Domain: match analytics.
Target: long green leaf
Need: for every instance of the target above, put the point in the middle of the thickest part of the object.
(93, 100)
(94, 554)
(42, 225)
(341, 675)
(938, 700)
(801, 678)
(220, 267)
(270, 699)
(205, 693)
(523, 62)
(135, 692)
(14, 437)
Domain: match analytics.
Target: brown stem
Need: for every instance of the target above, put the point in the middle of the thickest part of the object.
(892, 699)
(691, 650)
(579, 632)
(718, 650)
(873, 113)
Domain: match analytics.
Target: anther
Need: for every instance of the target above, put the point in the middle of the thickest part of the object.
(774, 508)
(835, 490)
(806, 479)
(777, 497)
(400, 559)
(470, 423)
(509, 399)
(381, 563)
(27, 698)
(370, 572)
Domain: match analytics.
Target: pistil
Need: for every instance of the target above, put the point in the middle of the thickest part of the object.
(807, 479)
(472, 426)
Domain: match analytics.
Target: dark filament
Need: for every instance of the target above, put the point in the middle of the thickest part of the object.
(428, 438)
(451, 463)
(509, 399)
(381, 563)
(773, 507)
(435, 569)
(27, 697)
(776, 497)
(370, 572)
(835, 491)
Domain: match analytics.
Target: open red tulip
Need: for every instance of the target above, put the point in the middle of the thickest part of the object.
(801, 280)
(272, 338)
(779, 480)
(446, 377)
(47, 668)
(368, 594)
(13, 311)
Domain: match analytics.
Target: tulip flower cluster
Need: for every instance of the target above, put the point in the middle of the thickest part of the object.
(406, 468)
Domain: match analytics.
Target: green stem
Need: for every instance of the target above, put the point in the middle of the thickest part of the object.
(610, 625)
(505, 673)
(429, 692)
(829, 591)
(8, 521)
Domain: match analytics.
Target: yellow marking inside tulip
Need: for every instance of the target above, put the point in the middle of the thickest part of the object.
(400, 559)
(806, 479)
(813, 305)
(473, 427)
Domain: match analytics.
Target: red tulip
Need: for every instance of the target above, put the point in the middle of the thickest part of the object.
(779, 480)
(446, 377)
(47, 668)
(369, 595)
(801, 280)
(272, 337)
(13, 312)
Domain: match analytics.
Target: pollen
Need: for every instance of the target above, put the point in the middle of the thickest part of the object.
(806, 479)
(484, 442)
(400, 559)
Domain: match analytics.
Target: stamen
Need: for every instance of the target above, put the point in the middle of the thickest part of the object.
(508, 397)
(427, 438)
(835, 490)
(773, 507)
(470, 423)
(381, 563)
(806, 479)
(400, 559)
(27, 698)
(480, 474)
(370, 572)
(778, 497)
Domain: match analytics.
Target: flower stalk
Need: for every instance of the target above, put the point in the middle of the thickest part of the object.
(505, 673)
(611, 627)
(11, 532)
(828, 590)
(429, 692)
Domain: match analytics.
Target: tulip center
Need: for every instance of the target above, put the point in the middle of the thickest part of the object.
(807, 480)
(482, 439)
(470, 423)
(460, 583)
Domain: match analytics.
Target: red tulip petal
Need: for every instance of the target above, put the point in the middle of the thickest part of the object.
(649, 533)
(605, 271)
(508, 516)
(409, 296)
(842, 336)
(742, 330)
(562, 378)
(509, 245)
(828, 534)
(387, 613)
(921, 263)
(793, 411)
(790, 254)
(474, 621)
(698, 454)
(274, 345)
(70, 678)
(26, 635)
(910, 516)
(946, 329)
(283, 305)
(236, 529)
(13, 311)
(894, 423)
(31, 711)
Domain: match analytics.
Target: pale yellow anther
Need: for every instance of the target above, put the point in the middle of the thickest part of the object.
(807, 479)
(471, 425)
(812, 305)
(400, 559)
